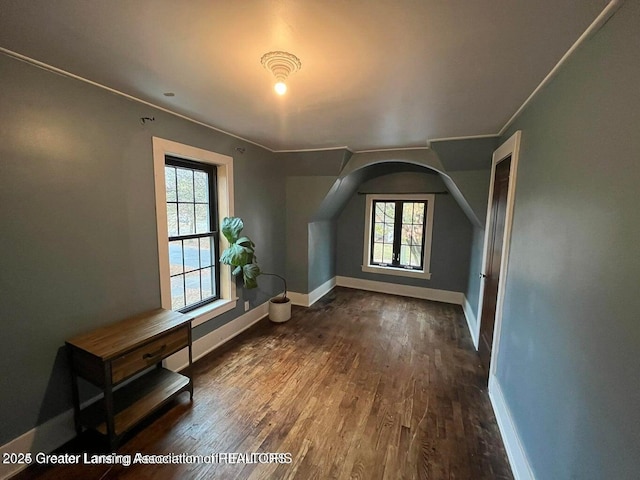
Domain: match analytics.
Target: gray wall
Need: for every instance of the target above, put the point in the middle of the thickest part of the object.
(472, 292)
(451, 233)
(474, 185)
(569, 350)
(303, 197)
(317, 163)
(78, 247)
(322, 253)
(469, 164)
(465, 154)
(310, 241)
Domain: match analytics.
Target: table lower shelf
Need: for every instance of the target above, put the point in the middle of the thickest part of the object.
(136, 400)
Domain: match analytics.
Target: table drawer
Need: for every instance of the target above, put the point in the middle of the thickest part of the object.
(148, 354)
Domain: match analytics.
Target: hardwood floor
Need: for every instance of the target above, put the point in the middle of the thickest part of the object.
(361, 385)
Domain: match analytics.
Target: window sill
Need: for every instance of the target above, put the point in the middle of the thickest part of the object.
(398, 272)
(211, 310)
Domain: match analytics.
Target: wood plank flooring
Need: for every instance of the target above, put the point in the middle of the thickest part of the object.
(360, 386)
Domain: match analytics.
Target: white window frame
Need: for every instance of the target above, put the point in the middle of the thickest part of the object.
(425, 273)
(224, 164)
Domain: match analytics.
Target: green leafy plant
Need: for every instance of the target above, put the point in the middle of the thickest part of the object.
(240, 253)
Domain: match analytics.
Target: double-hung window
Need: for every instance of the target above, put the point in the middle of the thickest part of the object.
(398, 231)
(194, 191)
(192, 233)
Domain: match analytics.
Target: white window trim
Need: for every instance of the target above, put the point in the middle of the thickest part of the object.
(400, 272)
(224, 164)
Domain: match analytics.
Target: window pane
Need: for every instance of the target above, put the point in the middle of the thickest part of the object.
(201, 180)
(186, 219)
(192, 261)
(388, 232)
(406, 235)
(185, 185)
(407, 213)
(177, 292)
(175, 257)
(172, 219)
(191, 254)
(170, 182)
(390, 210)
(192, 285)
(405, 248)
(387, 253)
(404, 255)
(202, 218)
(417, 235)
(379, 212)
(418, 213)
(206, 276)
(377, 252)
(416, 256)
(205, 251)
(378, 233)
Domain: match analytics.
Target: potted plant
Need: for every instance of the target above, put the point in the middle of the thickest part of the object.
(280, 306)
(241, 255)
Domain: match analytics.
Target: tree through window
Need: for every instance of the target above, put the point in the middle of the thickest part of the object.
(398, 236)
(193, 236)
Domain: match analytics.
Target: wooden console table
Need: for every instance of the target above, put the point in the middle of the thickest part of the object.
(111, 355)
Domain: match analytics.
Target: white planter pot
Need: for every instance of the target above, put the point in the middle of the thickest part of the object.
(279, 312)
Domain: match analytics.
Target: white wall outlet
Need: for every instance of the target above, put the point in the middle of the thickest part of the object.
(246, 305)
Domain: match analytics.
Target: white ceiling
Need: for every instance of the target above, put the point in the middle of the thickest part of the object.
(375, 73)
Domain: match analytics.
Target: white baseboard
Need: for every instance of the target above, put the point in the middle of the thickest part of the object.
(517, 456)
(59, 430)
(300, 299)
(219, 336)
(472, 322)
(445, 296)
(43, 438)
(308, 299)
(322, 290)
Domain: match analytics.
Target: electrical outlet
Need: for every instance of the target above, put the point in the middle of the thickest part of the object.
(246, 305)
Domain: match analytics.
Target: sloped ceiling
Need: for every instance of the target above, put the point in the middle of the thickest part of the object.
(375, 74)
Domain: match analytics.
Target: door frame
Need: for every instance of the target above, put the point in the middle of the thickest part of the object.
(510, 148)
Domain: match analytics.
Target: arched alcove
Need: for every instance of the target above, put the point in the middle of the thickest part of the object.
(364, 166)
(315, 204)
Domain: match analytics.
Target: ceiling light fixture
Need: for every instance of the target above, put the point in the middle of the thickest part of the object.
(281, 64)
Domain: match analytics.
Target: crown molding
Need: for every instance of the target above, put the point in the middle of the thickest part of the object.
(600, 20)
(302, 150)
(462, 137)
(391, 149)
(65, 73)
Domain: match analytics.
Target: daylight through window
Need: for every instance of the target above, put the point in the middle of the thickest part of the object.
(192, 229)
(398, 234)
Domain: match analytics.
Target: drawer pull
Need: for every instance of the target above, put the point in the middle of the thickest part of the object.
(157, 353)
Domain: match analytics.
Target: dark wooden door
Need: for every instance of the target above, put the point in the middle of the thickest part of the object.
(494, 258)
